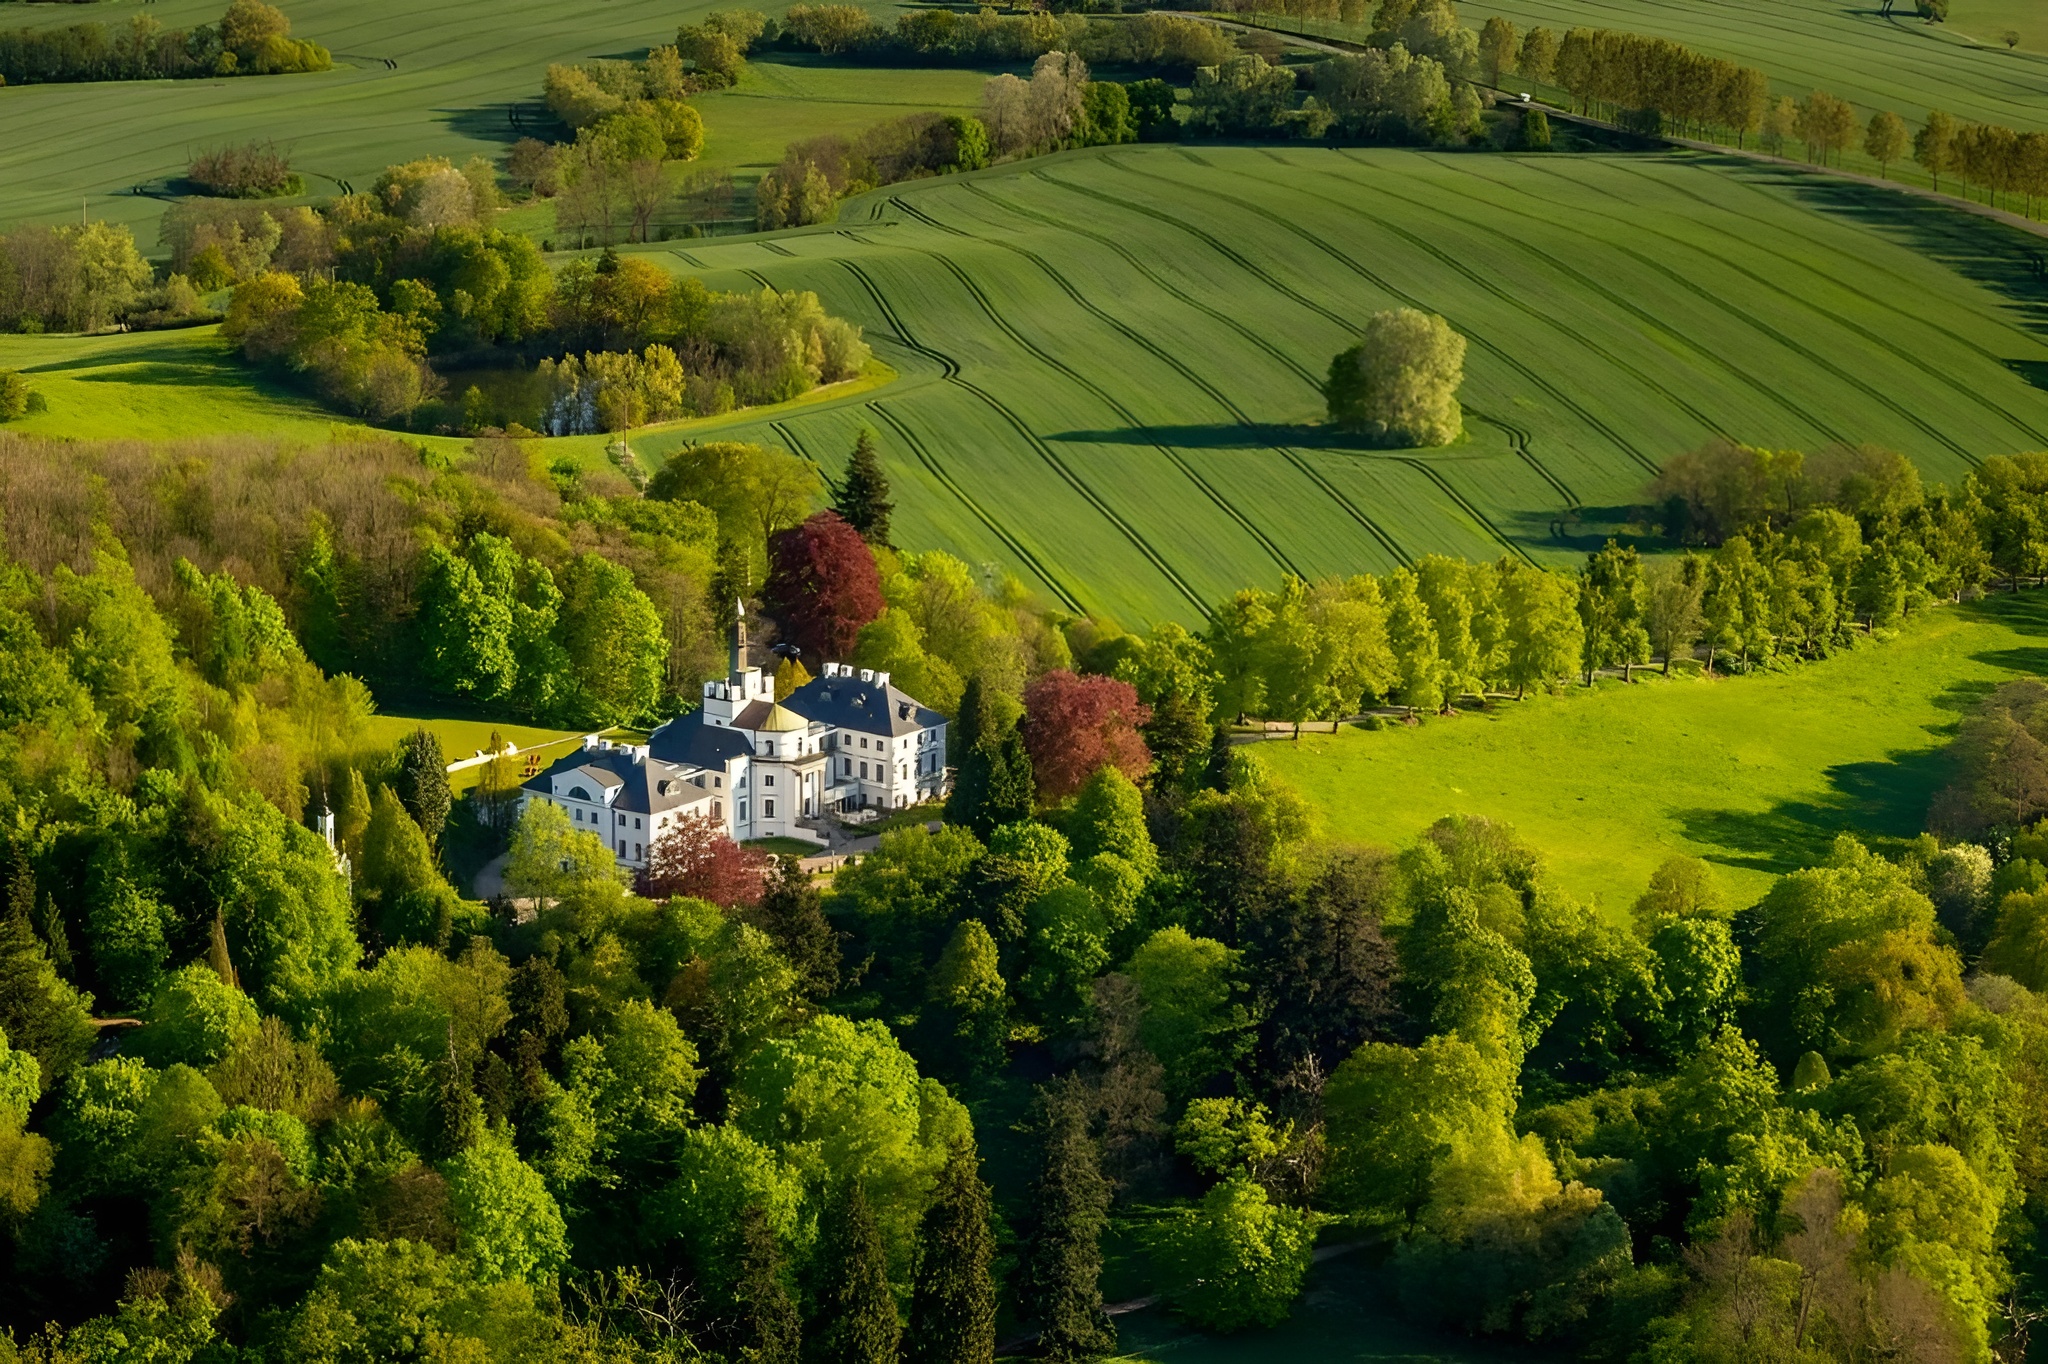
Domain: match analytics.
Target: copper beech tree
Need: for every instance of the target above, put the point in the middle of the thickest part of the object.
(695, 858)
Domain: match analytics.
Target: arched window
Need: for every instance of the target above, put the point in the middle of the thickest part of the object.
(578, 793)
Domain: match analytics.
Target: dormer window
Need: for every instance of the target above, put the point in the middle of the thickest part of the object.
(578, 793)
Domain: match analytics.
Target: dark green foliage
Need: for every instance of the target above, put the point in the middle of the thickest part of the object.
(1326, 977)
(1178, 735)
(1535, 133)
(422, 783)
(40, 1014)
(993, 783)
(457, 1111)
(767, 1329)
(863, 500)
(1152, 101)
(1069, 1210)
(953, 1307)
(792, 914)
(853, 1314)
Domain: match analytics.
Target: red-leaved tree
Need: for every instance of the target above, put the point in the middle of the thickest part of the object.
(1074, 725)
(822, 587)
(697, 859)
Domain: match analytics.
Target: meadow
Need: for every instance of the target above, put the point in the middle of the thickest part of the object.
(1755, 774)
(463, 80)
(1111, 360)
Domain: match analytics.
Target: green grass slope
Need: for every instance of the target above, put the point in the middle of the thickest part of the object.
(1756, 774)
(466, 82)
(1899, 63)
(1110, 361)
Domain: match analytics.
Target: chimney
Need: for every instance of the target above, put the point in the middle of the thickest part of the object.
(867, 674)
(881, 679)
(590, 741)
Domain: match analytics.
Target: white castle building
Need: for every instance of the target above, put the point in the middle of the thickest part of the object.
(845, 741)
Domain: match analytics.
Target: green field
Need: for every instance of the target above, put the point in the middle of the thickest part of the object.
(466, 83)
(1901, 63)
(1110, 360)
(1755, 774)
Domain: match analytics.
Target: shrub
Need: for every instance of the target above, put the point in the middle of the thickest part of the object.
(14, 395)
(252, 170)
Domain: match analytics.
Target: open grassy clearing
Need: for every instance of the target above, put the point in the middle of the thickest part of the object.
(1110, 360)
(1756, 774)
(467, 82)
(1853, 51)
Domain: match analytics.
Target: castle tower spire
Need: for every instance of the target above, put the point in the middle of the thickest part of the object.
(739, 636)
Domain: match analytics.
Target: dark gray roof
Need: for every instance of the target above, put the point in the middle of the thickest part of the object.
(649, 787)
(687, 739)
(867, 707)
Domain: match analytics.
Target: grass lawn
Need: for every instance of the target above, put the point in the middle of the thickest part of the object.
(785, 847)
(155, 384)
(462, 737)
(1755, 774)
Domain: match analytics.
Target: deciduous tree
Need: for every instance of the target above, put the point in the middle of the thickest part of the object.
(1073, 725)
(822, 586)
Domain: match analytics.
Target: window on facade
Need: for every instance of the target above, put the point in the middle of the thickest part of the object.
(767, 809)
(863, 741)
(636, 821)
(718, 809)
(576, 815)
(863, 771)
(743, 812)
(718, 783)
(768, 780)
(636, 851)
(622, 847)
(849, 767)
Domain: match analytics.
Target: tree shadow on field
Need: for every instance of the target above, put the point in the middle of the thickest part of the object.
(2006, 260)
(162, 363)
(1883, 801)
(1267, 436)
(506, 121)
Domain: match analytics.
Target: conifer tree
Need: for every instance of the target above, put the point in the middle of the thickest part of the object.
(792, 912)
(863, 500)
(422, 784)
(1012, 788)
(457, 1112)
(854, 1316)
(993, 783)
(768, 1329)
(39, 1013)
(953, 1306)
(1069, 1208)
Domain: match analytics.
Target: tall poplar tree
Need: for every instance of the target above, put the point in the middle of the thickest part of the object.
(953, 1307)
(863, 499)
(1069, 1209)
(854, 1314)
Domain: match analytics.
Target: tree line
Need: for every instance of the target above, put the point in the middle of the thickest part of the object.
(378, 283)
(251, 39)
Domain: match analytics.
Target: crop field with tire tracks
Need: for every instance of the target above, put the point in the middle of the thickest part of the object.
(1111, 359)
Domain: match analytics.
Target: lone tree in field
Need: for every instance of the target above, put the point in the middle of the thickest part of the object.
(1400, 384)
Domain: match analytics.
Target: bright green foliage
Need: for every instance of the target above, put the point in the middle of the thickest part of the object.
(126, 930)
(508, 1224)
(971, 1002)
(1068, 946)
(843, 1097)
(637, 1080)
(1195, 1021)
(194, 1017)
(1237, 1260)
(413, 903)
(1109, 817)
(1227, 1136)
(953, 1305)
(284, 902)
(614, 639)
(232, 633)
(2019, 946)
(552, 859)
(900, 897)
(403, 1301)
(1544, 638)
(1699, 971)
(1613, 609)
(1846, 959)
(21, 1082)
(39, 1010)
(1400, 383)
(1391, 1111)
(721, 1172)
